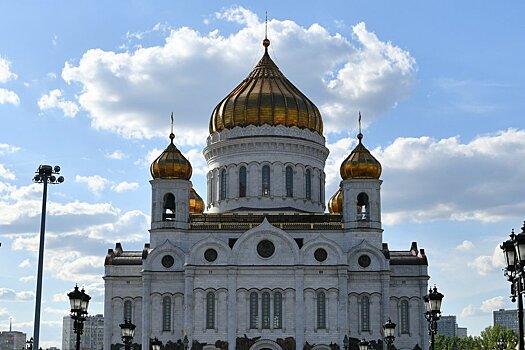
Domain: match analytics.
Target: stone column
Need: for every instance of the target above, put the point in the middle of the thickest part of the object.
(342, 313)
(146, 309)
(189, 274)
(108, 312)
(299, 308)
(385, 299)
(232, 308)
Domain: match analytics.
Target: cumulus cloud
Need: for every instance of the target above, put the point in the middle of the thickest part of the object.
(54, 100)
(465, 245)
(133, 92)
(8, 96)
(28, 278)
(95, 183)
(6, 173)
(11, 294)
(5, 71)
(24, 263)
(492, 304)
(486, 264)
(8, 149)
(125, 186)
(469, 310)
(116, 155)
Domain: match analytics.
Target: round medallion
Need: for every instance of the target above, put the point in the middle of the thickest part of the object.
(320, 254)
(167, 261)
(265, 248)
(364, 260)
(210, 255)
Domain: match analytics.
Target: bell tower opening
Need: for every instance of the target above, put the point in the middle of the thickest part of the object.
(169, 207)
(362, 207)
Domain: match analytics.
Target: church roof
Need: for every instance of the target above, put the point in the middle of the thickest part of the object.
(266, 96)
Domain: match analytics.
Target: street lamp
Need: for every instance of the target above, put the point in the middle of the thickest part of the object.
(156, 344)
(433, 306)
(185, 341)
(29, 344)
(363, 345)
(79, 301)
(127, 330)
(502, 344)
(514, 252)
(346, 342)
(389, 329)
(45, 174)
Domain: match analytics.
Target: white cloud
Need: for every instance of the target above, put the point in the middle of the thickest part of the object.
(492, 304)
(8, 96)
(112, 84)
(5, 71)
(486, 264)
(11, 294)
(125, 186)
(7, 149)
(24, 263)
(116, 155)
(469, 310)
(28, 278)
(54, 99)
(6, 173)
(465, 245)
(95, 183)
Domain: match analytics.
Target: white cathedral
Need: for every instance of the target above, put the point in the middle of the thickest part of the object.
(265, 267)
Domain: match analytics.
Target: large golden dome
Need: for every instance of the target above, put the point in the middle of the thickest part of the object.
(266, 97)
(335, 204)
(171, 164)
(360, 164)
(196, 202)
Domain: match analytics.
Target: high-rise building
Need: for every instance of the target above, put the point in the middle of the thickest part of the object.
(447, 326)
(12, 340)
(462, 332)
(506, 318)
(92, 337)
(266, 267)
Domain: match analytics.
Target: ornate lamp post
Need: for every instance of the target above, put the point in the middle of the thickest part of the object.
(79, 301)
(185, 341)
(29, 344)
(45, 174)
(346, 342)
(156, 344)
(127, 330)
(363, 345)
(514, 252)
(389, 329)
(433, 305)
(502, 344)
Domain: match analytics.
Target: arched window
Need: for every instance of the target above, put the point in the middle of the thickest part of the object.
(405, 321)
(321, 195)
(289, 181)
(308, 182)
(362, 207)
(321, 310)
(254, 310)
(127, 310)
(277, 310)
(266, 310)
(224, 184)
(210, 310)
(365, 314)
(242, 181)
(169, 207)
(166, 314)
(266, 180)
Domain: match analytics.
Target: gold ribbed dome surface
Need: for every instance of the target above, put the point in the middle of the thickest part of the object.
(335, 204)
(360, 164)
(171, 164)
(196, 202)
(266, 96)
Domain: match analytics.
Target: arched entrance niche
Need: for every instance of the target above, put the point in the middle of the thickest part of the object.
(265, 344)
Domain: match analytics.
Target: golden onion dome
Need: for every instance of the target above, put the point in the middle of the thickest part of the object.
(360, 164)
(196, 202)
(171, 164)
(335, 204)
(266, 96)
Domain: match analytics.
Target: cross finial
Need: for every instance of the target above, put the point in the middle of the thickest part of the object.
(266, 25)
(172, 135)
(359, 121)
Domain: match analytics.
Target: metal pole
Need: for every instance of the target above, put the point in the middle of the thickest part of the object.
(79, 331)
(36, 326)
(520, 313)
(432, 340)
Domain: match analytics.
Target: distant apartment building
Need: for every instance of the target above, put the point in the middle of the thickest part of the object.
(506, 318)
(92, 338)
(447, 326)
(12, 340)
(462, 332)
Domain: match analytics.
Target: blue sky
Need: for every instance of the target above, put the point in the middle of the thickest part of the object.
(90, 85)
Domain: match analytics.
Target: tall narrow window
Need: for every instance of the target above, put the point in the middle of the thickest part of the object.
(308, 182)
(405, 322)
(169, 207)
(242, 181)
(223, 184)
(289, 181)
(362, 207)
(321, 195)
(266, 310)
(278, 311)
(210, 310)
(266, 180)
(166, 314)
(365, 314)
(254, 310)
(321, 310)
(127, 310)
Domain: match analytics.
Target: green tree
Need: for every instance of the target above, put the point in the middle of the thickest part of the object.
(486, 341)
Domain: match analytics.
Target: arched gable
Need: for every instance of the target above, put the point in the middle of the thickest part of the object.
(154, 260)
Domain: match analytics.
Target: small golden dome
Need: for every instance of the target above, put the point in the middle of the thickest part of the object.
(266, 97)
(196, 202)
(335, 204)
(171, 164)
(360, 164)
